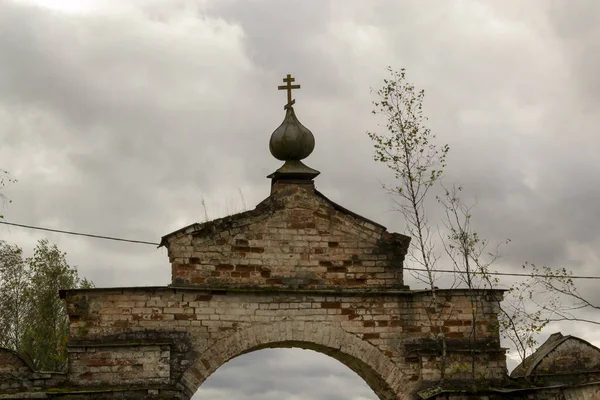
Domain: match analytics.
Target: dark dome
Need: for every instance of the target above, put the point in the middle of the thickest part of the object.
(292, 140)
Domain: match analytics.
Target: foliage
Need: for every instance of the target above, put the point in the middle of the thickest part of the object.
(547, 295)
(553, 291)
(407, 148)
(15, 304)
(231, 207)
(521, 323)
(33, 319)
(468, 252)
(469, 255)
(5, 179)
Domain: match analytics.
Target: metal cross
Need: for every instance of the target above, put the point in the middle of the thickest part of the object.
(289, 88)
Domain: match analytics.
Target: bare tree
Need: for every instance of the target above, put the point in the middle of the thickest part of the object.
(520, 321)
(469, 255)
(554, 292)
(407, 148)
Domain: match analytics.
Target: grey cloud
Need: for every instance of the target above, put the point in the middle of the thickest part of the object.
(130, 130)
(285, 38)
(579, 35)
(121, 120)
(274, 374)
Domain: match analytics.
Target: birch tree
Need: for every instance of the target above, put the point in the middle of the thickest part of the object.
(470, 256)
(407, 147)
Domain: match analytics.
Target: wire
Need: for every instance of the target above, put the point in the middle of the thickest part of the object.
(502, 273)
(405, 268)
(79, 234)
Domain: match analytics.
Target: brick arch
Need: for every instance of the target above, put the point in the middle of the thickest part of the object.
(381, 374)
(12, 363)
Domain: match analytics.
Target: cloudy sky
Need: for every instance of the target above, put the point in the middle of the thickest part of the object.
(121, 118)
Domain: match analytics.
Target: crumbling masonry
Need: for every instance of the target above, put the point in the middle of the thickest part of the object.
(297, 271)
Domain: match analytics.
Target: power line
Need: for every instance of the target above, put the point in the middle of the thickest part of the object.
(405, 268)
(78, 233)
(499, 273)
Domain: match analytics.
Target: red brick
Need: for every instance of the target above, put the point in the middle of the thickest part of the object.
(331, 304)
(184, 317)
(371, 335)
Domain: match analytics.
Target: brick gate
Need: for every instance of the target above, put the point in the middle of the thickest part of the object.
(297, 271)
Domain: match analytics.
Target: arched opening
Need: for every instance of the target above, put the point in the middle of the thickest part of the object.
(378, 372)
(284, 374)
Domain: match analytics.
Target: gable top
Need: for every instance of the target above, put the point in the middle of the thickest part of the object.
(534, 360)
(294, 239)
(263, 207)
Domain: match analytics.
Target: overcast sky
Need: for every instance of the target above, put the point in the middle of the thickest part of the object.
(120, 117)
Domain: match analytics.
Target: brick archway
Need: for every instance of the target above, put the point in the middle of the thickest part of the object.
(297, 271)
(379, 372)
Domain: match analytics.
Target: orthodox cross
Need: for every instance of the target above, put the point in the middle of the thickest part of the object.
(289, 88)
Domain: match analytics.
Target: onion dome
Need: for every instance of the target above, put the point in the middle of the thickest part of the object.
(292, 142)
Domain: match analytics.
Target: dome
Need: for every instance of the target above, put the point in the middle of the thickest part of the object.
(291, 141)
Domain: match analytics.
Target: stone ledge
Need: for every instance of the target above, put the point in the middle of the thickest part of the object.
(126, 392)
(112, 343)
(24, 395)
(379, 291)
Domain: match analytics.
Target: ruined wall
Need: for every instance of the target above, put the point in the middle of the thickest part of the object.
(203, 329)
(298, 271)
(582, 392)
(296, 238)
(127, 363)
(561, 360)
(571, 356)
(17, 376)
(588, 392)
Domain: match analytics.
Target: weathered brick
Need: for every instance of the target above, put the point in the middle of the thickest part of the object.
(234, 289)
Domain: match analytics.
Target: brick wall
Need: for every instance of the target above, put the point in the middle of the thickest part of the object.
(17, 376)
(298, 271)
(571, 356)
(392, 331)
(295, 238)
(129, 363)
